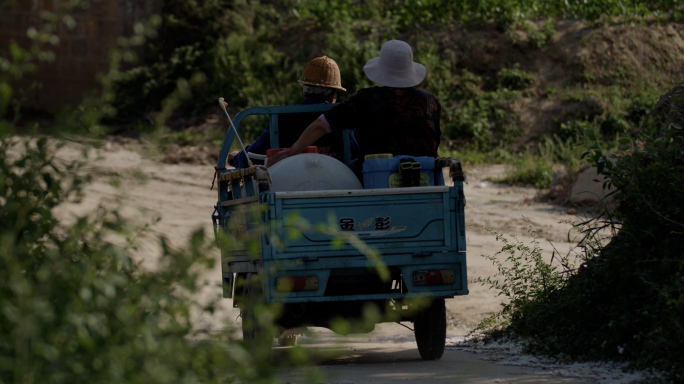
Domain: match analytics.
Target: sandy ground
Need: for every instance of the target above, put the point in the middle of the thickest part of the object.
(175, 199)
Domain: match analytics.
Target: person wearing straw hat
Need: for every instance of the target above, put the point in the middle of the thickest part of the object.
(396, 118)
(320, 81)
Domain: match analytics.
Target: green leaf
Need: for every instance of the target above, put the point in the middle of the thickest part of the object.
(5, 96)
(16, 51)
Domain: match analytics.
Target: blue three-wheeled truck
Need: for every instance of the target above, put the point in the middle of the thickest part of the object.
(314, 241)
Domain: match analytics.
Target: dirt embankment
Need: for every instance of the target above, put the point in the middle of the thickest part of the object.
(579, 55)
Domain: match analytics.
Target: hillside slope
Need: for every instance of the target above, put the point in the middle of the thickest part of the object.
(582, 72)
(500, 89)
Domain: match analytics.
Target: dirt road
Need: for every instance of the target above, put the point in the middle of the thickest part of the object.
(179, 196)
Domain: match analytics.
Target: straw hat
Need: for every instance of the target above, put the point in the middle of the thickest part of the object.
(395, 67)
(322, 72)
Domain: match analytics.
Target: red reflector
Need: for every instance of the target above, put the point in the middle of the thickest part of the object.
(433, 278)
(296, 283)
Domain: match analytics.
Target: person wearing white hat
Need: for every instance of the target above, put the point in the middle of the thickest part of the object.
(396, 118)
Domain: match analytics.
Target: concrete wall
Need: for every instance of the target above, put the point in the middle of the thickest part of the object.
(83, 50)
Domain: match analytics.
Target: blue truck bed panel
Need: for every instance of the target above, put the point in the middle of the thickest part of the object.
(415, 221)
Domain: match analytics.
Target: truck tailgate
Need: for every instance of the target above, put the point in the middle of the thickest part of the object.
(418, 220)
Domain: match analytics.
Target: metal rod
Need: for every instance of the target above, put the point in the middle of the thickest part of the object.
(224, 105)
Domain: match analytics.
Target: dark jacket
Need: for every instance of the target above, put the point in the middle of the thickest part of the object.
(400, 121)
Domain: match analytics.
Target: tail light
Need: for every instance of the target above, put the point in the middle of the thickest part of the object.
(433, 277)
(296, 283)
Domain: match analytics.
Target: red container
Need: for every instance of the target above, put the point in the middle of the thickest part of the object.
(309, 149)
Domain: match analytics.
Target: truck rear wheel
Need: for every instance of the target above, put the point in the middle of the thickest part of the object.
(253, 334)
(249, 322)
(430, 330)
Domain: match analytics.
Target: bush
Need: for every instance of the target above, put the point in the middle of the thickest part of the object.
(77, 308)
(514, 79)
(189, 31)
(530, 169)
(613, 125)
(571, 129)
(252, 53)
(626, 301)
(523, 278)
(74, 305)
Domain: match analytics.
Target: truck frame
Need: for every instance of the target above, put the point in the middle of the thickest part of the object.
(326, 255)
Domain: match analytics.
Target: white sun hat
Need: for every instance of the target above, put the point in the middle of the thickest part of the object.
(395, 66)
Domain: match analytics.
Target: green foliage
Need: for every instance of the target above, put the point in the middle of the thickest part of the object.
(634, 275)
(614, 124)
(419, 13)
(349, 49)
(252, 52)
(536, 37)
(567, 153)
(530, 170)
(572, 129)
(189, 31)
(334, 13)
(619, 113)
(523, 278)
(539, 36)
(481, 119)
(472, 122)
(496, 156)
(536, 164)
(514, 79)
(20, 59)
(239, 48)
(241, 63)
(475, 117)
(77, 308)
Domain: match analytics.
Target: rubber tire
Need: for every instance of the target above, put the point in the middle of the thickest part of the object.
(250, 327)
(430, 330)
(254, 336)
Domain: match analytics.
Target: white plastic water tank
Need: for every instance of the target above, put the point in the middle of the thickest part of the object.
(312, 172)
